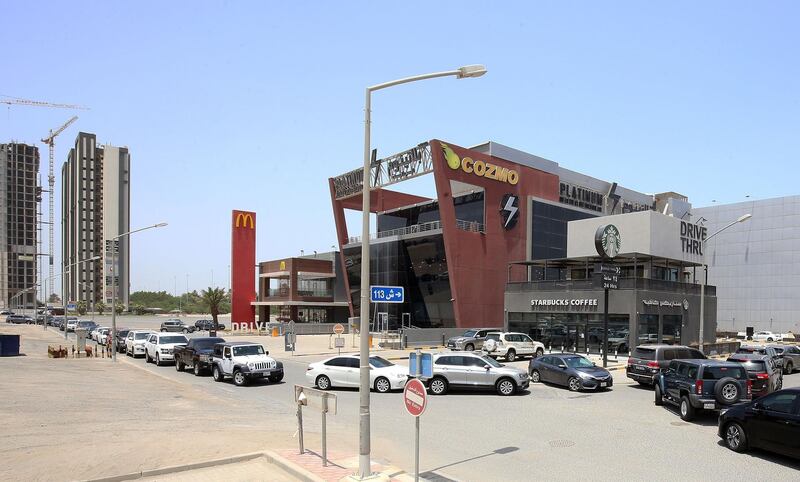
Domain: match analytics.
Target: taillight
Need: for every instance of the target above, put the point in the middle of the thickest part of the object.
(630, 361)
(698, 387)
(652, 364)
(762, 376)
(749, 388)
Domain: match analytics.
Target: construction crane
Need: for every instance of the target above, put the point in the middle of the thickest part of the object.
(51, 182)
(38, 103)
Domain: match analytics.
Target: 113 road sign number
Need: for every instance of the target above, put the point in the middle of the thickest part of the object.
(387, 294)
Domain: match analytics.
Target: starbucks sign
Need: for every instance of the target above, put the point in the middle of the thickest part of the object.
(608, 241)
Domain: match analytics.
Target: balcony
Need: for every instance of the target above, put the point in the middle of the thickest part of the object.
(470, 226)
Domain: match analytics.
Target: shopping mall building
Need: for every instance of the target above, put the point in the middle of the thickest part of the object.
(497, 215)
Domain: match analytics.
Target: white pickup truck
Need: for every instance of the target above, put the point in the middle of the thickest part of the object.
(243, 361)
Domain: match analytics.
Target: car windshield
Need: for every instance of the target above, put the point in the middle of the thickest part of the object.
(207, 344)
(469, 334)
(379, 362)
(141, 336)
(778, 349)
(166, 340)
(248, 350)
(491, 362)
(578, 362)
(644, 353)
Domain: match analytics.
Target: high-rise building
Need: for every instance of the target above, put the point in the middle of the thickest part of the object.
(95, 209)
(20, 194)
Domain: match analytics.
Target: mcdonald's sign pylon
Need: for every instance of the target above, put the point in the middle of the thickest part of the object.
(243, 266)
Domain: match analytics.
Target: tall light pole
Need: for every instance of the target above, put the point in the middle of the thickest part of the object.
(364, 470)
(68, 269)
(741, 219)
(114, 272)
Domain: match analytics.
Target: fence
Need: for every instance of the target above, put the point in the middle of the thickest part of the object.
(428, 336)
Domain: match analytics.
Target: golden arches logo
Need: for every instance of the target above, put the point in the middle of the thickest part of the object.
(244, 218)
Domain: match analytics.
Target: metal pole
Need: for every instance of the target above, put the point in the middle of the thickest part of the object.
(605, 330)
(64, 294)
(364, 415)
(324, 436)
(114, 243)
(703, 306)
(416, 451)
(300, 427)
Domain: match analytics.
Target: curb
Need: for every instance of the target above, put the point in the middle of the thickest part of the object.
(290, 467)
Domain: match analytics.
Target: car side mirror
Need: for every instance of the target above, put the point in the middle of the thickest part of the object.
(758, 406)
(487, 367)
(267, 352)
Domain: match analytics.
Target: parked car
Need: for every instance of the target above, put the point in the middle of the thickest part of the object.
(196, 354)
(71, 323)
(343, 371)
(244, 361)
(770, 423)
(767, 336)
(134, 342)
(570, 370)
(765, 376)
(122, 334)
(763, 350)
(511, 345)
(697, 385)
(647, 361)
(790, 355)
(57, 322)
(206, 325)
(474, 371)
(177, 326)
(103, 334)
(87, 325)
(159, 347)
(19, 319)
(471, 339)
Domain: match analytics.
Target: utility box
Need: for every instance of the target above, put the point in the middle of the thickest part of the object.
(80, 335)
(9, 345)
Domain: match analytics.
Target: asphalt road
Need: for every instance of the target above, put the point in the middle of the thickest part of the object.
(547, 431)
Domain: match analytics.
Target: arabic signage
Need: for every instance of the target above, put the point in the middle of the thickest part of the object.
(387, 294)
(393, 169)
(666, 303)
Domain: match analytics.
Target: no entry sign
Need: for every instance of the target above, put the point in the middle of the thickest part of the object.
(415, 397)
(338, 328)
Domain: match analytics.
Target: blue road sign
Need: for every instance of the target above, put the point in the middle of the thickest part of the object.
(427, 364)
(387, 294)
(72, 307)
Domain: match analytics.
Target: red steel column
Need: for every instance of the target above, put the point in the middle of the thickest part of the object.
(243, 267)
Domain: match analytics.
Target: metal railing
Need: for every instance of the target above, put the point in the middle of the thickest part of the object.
(624, 283)
(471, 226)
(315, 293)
(278, 292)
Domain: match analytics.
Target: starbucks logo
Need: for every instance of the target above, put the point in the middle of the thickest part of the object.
(608, 241)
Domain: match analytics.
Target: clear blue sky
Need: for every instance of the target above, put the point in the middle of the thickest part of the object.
(253, 105)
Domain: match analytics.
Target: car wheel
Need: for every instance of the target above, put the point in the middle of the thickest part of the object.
(438, 386)
(574, 384)
(146, 357)
(217, 374)
(659, 396)
(735, 438)
(323, 382)
(727, 391)
(163, 330)
(536, 377)
(382, 385)
(511, 355)
(779, 385)
(276, 378)
(158, 360)
(196, 369)
(770, 339)
(788, 369)
(539, 352)
(179, 366)
(185, 331)
(686, 408)
(239, 379)
(469, 347)
(506, 387)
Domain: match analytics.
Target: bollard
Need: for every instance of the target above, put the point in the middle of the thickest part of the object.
(562, 348)
(550, 348)
(615, 354)
(405, 342)
(444, 343)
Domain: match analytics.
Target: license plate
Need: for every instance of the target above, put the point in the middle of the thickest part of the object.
(639, 368)
(603, 384)
(708, 406)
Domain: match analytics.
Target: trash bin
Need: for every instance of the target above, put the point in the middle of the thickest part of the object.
(9, 345)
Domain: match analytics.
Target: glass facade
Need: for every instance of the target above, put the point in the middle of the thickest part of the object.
(549, 236)
(419, 265)
(574, 332)
(468, 208)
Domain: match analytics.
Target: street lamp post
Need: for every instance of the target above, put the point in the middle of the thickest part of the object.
(364, 470)
(741, 219)
(68, 269)
(114, 285)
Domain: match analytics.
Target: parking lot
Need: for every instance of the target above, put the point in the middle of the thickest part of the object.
(544, 431)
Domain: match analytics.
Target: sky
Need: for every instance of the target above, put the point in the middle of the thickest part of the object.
(254, 105)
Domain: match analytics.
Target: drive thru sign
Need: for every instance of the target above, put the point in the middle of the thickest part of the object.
(415, 397)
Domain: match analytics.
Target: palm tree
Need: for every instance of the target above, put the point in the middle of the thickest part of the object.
(213, 298)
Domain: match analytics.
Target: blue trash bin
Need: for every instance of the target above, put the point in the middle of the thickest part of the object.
(9, 345)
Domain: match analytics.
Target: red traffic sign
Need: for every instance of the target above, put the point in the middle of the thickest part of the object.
(415, 397)
(338, 328)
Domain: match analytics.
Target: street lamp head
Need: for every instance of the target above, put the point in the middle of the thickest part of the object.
(471, 71)
(744, 218)
(160, 225)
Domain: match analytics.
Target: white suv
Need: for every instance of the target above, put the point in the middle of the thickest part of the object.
(159, 347)
(511, 345)
(134, 342)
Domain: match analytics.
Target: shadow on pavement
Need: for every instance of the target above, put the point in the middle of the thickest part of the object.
(768, 456)
(432, 475)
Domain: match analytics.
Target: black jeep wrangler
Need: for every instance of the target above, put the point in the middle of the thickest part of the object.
(696, 385)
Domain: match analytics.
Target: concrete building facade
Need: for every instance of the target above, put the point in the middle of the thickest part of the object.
(20, 195)
(95, 209)
(755, 264)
